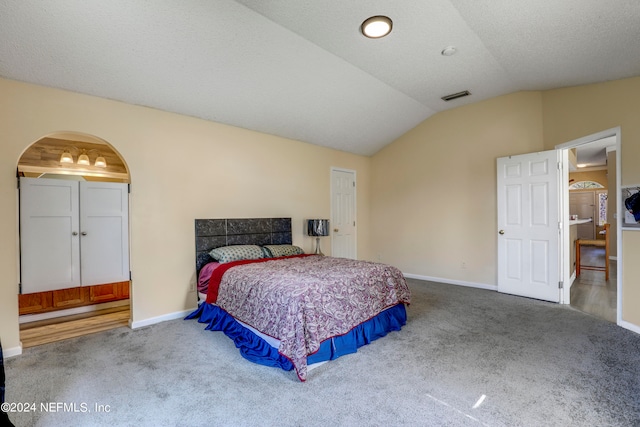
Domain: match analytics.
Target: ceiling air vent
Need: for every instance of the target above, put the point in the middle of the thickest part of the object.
(456, 95)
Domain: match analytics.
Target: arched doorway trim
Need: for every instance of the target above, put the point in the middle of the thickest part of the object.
(43, 156)
(42, 159)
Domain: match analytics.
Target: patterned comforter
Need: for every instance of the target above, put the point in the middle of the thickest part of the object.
(304, 301)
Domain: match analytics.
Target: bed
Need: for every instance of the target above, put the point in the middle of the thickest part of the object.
(287, 309)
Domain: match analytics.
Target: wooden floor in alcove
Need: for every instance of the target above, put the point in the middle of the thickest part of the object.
(62, 328)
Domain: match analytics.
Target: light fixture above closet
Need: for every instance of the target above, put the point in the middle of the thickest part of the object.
(83, 158)
(100, 162)
(66, 157)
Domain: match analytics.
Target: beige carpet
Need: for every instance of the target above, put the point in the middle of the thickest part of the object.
(466, 357)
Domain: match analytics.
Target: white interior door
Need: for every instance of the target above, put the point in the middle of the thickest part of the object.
(343, 213)
(49, 235)
(104, 232)
(529, 225)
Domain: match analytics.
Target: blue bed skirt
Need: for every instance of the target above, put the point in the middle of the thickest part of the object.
(257, 350)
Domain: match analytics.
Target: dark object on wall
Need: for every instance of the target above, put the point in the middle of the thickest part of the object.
(4, 418)
(632, 204)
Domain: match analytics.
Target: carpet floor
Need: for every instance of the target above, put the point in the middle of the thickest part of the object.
(467, 357)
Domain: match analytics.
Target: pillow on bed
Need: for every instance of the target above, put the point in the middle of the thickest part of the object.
(283, 250)
(205, 275)
(236, 253)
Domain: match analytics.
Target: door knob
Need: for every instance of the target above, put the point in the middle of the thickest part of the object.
(84, 233)
(75, 233)
(501, 232)
(335, 230)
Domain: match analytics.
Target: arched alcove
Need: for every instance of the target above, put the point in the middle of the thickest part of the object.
(104, 167)
(44, 155)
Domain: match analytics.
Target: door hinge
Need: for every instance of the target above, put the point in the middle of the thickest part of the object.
(19, 288)
(354, 183)
(561, 285)
(354, 223)
(559, 166)
(129, 188)
(129, 274)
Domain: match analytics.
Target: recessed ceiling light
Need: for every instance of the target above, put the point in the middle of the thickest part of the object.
(449, 50)
(376, 27)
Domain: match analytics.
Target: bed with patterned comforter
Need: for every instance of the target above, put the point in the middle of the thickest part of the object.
(305, 300)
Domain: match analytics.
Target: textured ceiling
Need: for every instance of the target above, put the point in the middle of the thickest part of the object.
(302, 70)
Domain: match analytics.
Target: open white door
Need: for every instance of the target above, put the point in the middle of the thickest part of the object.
(529, 225)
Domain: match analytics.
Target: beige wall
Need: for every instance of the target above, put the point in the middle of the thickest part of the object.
(181, 169)
(426, 203)
(631, 277)
(433, 197)
(599, 176)
(433, 192)
(575, 112)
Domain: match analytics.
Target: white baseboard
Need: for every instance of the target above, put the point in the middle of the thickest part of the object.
(452, 282)
(158, 319)
(12, 352)
(572, 279)
(622, 323)
(629, 326)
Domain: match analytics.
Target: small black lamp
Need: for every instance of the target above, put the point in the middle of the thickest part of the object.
(318, 228)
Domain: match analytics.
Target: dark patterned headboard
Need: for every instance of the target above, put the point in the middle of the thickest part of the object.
(213, 233)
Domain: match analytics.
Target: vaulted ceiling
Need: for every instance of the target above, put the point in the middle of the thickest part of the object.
(302, 69)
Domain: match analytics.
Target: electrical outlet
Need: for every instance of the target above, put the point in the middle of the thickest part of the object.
(192, 286)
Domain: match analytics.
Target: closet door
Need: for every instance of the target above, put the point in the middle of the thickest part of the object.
(49, 238)
(104, 232)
